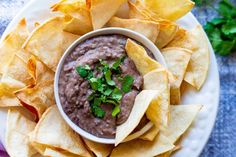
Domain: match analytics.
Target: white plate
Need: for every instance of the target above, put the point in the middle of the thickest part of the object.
(197, 136)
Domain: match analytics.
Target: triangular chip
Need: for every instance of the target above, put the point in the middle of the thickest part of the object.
(141, 103)
(196, 41)
(182, 117)
(39, 97)
(102, 10)
(48, 42)
(53, 152)
(141, 148)
(167, 30)
(100, 150)
(150, 134)
(12, 44)
(77, 16)
(57, 134)
(147, 28)
(177, 60)
(17, 130)
(140, 132)
(17, 70)
(169, 9)
(142, 61)
(158, 80)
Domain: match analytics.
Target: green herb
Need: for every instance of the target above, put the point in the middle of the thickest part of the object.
(127, 83)
(115, 111)
(222, 30)
(117, 94)
(105, 90)
(108, 78)
(96, 108)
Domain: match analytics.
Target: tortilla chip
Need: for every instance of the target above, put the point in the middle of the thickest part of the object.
(141, 148)
(142, 61)
(52, 152)
(139, 133)
(100, 150)
(158, 80)
(57, 134)
(17, 69)
(77, 16)
(182, 117)
(39, 97)
(147, 28)
(169, 9)
(142, 101)
(102, 10)
(17, 130)
(38, 71)
(150, 134)
(167, 33)
(177, 60)
(12, 44)
(7, 98)
(167, 30)
(196, 41)
(48, 42)
(136, 12)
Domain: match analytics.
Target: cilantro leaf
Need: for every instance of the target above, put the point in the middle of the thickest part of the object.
(96, 108)
(229, 27)
(94, 83)
(82, 71)
(117, 94)
(115, 111)
(226, 9)
(108, 78)
(108, 91)
(127, 83)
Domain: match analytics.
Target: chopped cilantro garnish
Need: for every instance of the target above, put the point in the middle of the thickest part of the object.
(127, 83)
(115, 111)
(108, 78)
(105, 90)
(117, 94)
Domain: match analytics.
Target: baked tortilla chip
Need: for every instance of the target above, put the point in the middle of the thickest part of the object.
(141, 103)
(100, 150)
(56, 134)
(142, 61)
(177, 60)
(141, 148)
(40, 97)
(147, 28)
(17, 70)
(139, 133)
(12, 44)
(17, 130)
(102, 10)
(38, 71)
(182, 117)
(150, 134)
(77, 16)
(167, 30)
(169, 9)
(48, 42)
(196, 41)
(158, 80)
(53, 152)
(167, 33)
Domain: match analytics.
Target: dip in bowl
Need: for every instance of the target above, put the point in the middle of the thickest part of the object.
(96, 82)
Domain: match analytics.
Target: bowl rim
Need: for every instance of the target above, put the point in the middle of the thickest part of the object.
(104, 31)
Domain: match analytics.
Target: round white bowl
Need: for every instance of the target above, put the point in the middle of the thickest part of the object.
(106, 31)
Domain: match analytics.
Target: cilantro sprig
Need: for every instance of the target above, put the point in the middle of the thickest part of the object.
(222, 30)
(105, 90)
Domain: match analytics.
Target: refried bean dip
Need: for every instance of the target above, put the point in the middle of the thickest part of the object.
(98, 84)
